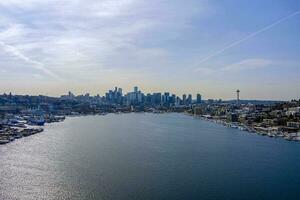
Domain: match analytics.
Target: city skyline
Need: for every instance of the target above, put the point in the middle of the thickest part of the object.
(102, 93)
(116, 92)
(208, 47)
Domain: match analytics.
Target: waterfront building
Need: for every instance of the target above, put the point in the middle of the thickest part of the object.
(163, 99)
(198, 111)
(135, 98)
(166, 99)
(198, 98)
(156, 98)
(172, 99)
(184, 99)
(140, 97)
(232, 117)
(178, 101)
(120, 92)
(189, 99)
(293, 124)
(210, 101)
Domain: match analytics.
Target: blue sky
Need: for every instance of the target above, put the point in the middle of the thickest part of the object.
(210, 47)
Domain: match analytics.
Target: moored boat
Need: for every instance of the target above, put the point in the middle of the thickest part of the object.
(4, 141)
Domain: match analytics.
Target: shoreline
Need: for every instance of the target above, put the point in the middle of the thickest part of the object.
(20, 129)
(25, 129)
(14, 131)
(257, 130)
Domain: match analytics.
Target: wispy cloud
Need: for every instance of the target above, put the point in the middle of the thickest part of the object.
(84, 38)
(35, 64)
(246, 64)
(235, 43)
(90, 43)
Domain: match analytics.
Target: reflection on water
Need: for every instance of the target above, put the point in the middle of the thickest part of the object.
(147, 156)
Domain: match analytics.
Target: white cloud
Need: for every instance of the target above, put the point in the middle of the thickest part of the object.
(86, 38)
(13, 31)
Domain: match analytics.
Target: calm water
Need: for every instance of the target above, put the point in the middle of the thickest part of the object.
(148, 156)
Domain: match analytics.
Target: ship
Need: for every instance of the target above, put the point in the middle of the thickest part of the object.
(37, 121)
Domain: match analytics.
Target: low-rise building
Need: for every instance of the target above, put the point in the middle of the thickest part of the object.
(293, 124)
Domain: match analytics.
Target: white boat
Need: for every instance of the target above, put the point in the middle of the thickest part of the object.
(242, 128)
(233, 126)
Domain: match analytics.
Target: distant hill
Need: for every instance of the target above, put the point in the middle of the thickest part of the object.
(256, 102)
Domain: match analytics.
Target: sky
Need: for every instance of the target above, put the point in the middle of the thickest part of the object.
(211, 47)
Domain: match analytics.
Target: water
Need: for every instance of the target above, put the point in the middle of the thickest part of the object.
(148, 156)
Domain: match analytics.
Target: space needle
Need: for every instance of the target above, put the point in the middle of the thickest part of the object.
(238, 96)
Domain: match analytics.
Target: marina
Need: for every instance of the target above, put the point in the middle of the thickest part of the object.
(271, 132)
(23, 126)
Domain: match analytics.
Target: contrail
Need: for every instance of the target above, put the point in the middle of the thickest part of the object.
(37, 65)
(248, 37)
